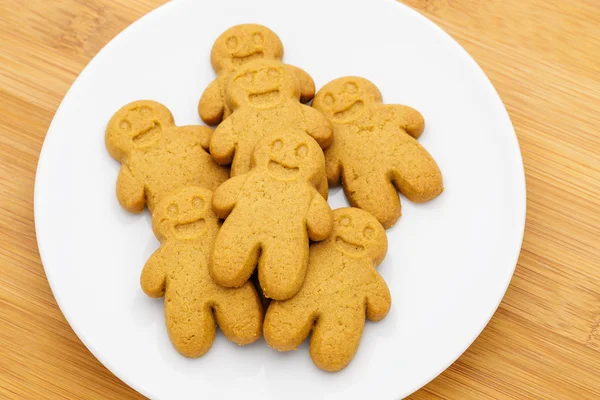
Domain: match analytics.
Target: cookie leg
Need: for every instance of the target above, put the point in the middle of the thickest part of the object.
(234, 256)
(288, 323)
(335, 339)
(373, 193)
(239, 313)
(190, 322)
(282, 267)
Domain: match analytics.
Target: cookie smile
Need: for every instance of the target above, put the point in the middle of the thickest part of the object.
(348, 247)
(268, 97)
(353, 110)
(191, 229)
(147, 135)
(280, 171)
(239, 60)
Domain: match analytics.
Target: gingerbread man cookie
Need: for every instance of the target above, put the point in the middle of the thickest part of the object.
(375, 149)
(235, 47)
(264, 97)
(340, 289)
(158, 157)
(186, 227)
(270, 214)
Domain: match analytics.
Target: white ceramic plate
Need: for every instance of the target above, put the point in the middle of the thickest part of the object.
(449, 261)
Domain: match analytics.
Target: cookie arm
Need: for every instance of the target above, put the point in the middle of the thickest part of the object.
(379, 299)
(210, 106)
(406, 118)
(319, 219)
(222, 143)
(226, 195)
(323, 187)
(130, 190)
(154, 275)
(307, 85)
(317, 126)
(333, 167)
(199, 133)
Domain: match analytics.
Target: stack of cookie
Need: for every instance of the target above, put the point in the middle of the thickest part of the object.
(241, 212)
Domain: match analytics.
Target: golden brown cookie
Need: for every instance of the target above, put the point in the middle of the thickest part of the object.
(158, 157)
(270, 214)
(186, 227)
(340, 289)
(235, 47)
(263, 95)
(375, 149)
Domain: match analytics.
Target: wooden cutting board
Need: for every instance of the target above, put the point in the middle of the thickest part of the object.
(544, 59)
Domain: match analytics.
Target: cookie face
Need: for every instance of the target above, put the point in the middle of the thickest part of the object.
(345, 100)
(137, 125)
(186, 215)
(243, 43)
(358, 234)
(178, 270)
(262, 85)
(288, 156)
(341, 288)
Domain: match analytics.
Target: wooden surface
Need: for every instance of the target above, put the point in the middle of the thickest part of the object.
(544, 59)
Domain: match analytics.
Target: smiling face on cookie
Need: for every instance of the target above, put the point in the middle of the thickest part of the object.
(185, 214)
(241, 44)
(344, 100)
(262, 85)
(137, 125)
(289, 156)
(358, 234)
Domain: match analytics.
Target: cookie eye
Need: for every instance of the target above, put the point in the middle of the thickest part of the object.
(173, 210)
(232, 43)
(345, 221)
(350, 87)
(198, 202)
(301, 151)
(273, 73)
(257, 38)
(247, 79)
(125, 125)
(369, 232)
(145, 111)
(328, 99)
(277, 145)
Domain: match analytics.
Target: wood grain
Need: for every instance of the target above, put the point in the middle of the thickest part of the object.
(544, 59)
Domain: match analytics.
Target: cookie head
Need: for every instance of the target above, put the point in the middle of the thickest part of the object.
(288, 156)
(243, 43)
(358, 234)
(346, 99)
(262, 84)
(185, 214)
(137, 125)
